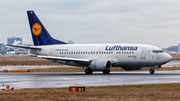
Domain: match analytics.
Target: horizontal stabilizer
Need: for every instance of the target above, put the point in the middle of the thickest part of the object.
(25, 47)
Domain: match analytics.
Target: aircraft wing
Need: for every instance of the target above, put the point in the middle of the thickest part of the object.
(37, 48)
(65, 59)
(69, 61)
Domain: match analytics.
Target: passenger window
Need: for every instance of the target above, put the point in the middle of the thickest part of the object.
(157, 51)
(161, 51)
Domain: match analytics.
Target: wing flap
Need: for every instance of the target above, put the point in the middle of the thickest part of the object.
(64, 58)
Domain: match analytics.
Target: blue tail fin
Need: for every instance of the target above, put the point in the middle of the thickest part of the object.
(39, 33)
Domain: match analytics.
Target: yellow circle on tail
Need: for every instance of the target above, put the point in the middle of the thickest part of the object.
(36, 29)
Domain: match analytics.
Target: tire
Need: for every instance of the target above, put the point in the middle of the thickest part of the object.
(151, 71)
(106, 72)
(88, 71)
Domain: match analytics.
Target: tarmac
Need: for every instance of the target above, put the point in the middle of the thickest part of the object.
(52, 80)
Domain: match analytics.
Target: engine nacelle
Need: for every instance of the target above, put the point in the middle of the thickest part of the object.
(100, 65)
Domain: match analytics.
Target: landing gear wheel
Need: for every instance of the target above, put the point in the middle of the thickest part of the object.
(106, 72)
(151, 71)
(88, 71)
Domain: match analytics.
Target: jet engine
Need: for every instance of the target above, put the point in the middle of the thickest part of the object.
(100, 65)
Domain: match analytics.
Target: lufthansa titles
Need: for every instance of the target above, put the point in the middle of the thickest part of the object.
(121, 48)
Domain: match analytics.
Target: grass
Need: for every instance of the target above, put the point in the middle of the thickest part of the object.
(158, 92)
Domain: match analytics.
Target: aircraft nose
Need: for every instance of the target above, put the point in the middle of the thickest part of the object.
(167, 57)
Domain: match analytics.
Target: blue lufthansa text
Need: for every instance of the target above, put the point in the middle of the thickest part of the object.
(121, 48)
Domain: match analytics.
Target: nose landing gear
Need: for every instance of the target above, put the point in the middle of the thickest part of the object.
(151, 71)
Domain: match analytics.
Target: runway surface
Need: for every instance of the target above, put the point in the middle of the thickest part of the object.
(51, 80)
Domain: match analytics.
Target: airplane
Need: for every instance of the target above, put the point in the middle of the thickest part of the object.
(96, 57)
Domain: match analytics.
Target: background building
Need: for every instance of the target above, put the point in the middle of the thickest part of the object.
(71, 42)
(172, 49)
(2, 49)
(14, 50)
(179, 48)
(14, 41)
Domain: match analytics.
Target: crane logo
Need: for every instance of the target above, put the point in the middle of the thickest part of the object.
(158, 58)
(36, 29)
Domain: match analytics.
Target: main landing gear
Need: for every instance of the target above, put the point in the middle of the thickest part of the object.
(151, 71)
(88, 71)
(106, 71)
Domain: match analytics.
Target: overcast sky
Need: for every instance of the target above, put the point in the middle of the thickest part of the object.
(155, 22)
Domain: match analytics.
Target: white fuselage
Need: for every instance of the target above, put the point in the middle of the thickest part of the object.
(123, 55)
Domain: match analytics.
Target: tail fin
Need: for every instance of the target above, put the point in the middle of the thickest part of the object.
(39, 33)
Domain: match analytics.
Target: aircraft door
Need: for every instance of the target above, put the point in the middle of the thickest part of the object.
(52, 52)
(100, 51)
(143, 53)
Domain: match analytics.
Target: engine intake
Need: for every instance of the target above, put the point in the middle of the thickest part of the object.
(100, 65)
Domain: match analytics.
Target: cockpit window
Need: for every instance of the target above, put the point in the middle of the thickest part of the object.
(157, 51)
